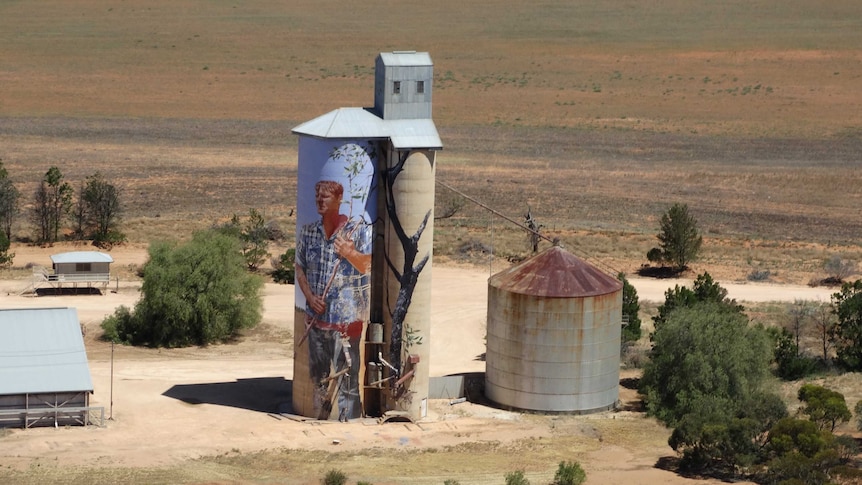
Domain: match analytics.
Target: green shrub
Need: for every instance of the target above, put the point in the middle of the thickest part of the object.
(283, 268)
(109, 239)
(823, 406)
(569, 473)
(516, 478)
(118, 326)
(334, 477)
(716, 438)
(804, 453)
(693, 346)
(193, 294)
(847, 333)
(790, 364)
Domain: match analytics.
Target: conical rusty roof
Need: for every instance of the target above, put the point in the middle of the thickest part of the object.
(555, 273)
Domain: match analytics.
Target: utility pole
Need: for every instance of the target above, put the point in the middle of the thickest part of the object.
(111, 408)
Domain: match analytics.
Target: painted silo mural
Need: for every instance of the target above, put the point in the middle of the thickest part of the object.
(335, 210)
(362, 321)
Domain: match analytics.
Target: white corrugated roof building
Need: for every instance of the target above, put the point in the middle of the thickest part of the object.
(42, 351)
(362, 123)
(82, 257)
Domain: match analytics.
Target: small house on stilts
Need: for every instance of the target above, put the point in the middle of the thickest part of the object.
(75, 270)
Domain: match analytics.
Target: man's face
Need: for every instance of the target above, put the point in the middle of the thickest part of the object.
(326, 202)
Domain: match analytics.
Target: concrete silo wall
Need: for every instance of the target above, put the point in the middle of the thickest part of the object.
(408, 228)
(553, 354)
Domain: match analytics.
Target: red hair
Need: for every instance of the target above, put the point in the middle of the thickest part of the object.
(330, 187)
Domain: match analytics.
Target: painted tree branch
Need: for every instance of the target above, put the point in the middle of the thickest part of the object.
(408, 276)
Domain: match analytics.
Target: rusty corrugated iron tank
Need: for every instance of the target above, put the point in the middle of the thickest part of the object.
(554, 324)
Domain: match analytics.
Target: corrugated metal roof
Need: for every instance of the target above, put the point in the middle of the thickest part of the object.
(555, 273)
(361, 123)
(82, 257)
(42, 350)
(417, 133)
(406, 58)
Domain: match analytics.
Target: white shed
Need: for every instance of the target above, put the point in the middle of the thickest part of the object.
(44, 374)
(82, 263)
(74, 270)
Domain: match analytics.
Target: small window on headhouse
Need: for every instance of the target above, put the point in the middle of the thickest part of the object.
(420, 87)
(396, 88)
(83, 267)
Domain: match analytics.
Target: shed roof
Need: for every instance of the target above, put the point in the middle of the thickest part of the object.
(362, 123)
(406, 58)
(42, 350)
(555, 273)
(82, 257)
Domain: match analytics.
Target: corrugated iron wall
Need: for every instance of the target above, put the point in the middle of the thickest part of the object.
(553, 354)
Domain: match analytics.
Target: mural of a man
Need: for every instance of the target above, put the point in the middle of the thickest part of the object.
(333, 262)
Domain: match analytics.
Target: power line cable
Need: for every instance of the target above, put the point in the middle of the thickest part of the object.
(555, 241)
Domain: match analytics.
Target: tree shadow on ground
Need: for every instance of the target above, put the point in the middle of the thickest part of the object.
(829, 282)
(630, 383)
(634, 405)
(673, 464)
(668, 463)
(262, 394)
(660, 272)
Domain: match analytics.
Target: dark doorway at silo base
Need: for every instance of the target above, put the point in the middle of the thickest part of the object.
(262, 394)
(67, 291)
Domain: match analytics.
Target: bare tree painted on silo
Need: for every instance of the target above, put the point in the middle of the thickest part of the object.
(408, 274)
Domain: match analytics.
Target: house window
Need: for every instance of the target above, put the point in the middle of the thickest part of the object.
(420, 87)
(396, 88)
(83, 267)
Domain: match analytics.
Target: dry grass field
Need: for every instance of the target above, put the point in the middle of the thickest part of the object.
(598, 117)
(595, 115)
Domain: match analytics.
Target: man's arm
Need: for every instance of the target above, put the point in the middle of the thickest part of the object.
(347, 250)
(315, 302)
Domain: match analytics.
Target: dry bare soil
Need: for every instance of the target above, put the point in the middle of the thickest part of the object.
(595, 115)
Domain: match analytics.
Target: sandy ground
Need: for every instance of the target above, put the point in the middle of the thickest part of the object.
(188, 403)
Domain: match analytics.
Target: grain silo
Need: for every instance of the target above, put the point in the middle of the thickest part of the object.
(554, 324)
(364, 247)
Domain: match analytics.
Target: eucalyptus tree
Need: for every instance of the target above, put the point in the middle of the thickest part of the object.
(52, 201)
(102, 209)
(9, 202)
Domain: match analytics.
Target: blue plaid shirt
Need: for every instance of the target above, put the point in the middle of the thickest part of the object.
(348, 294)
